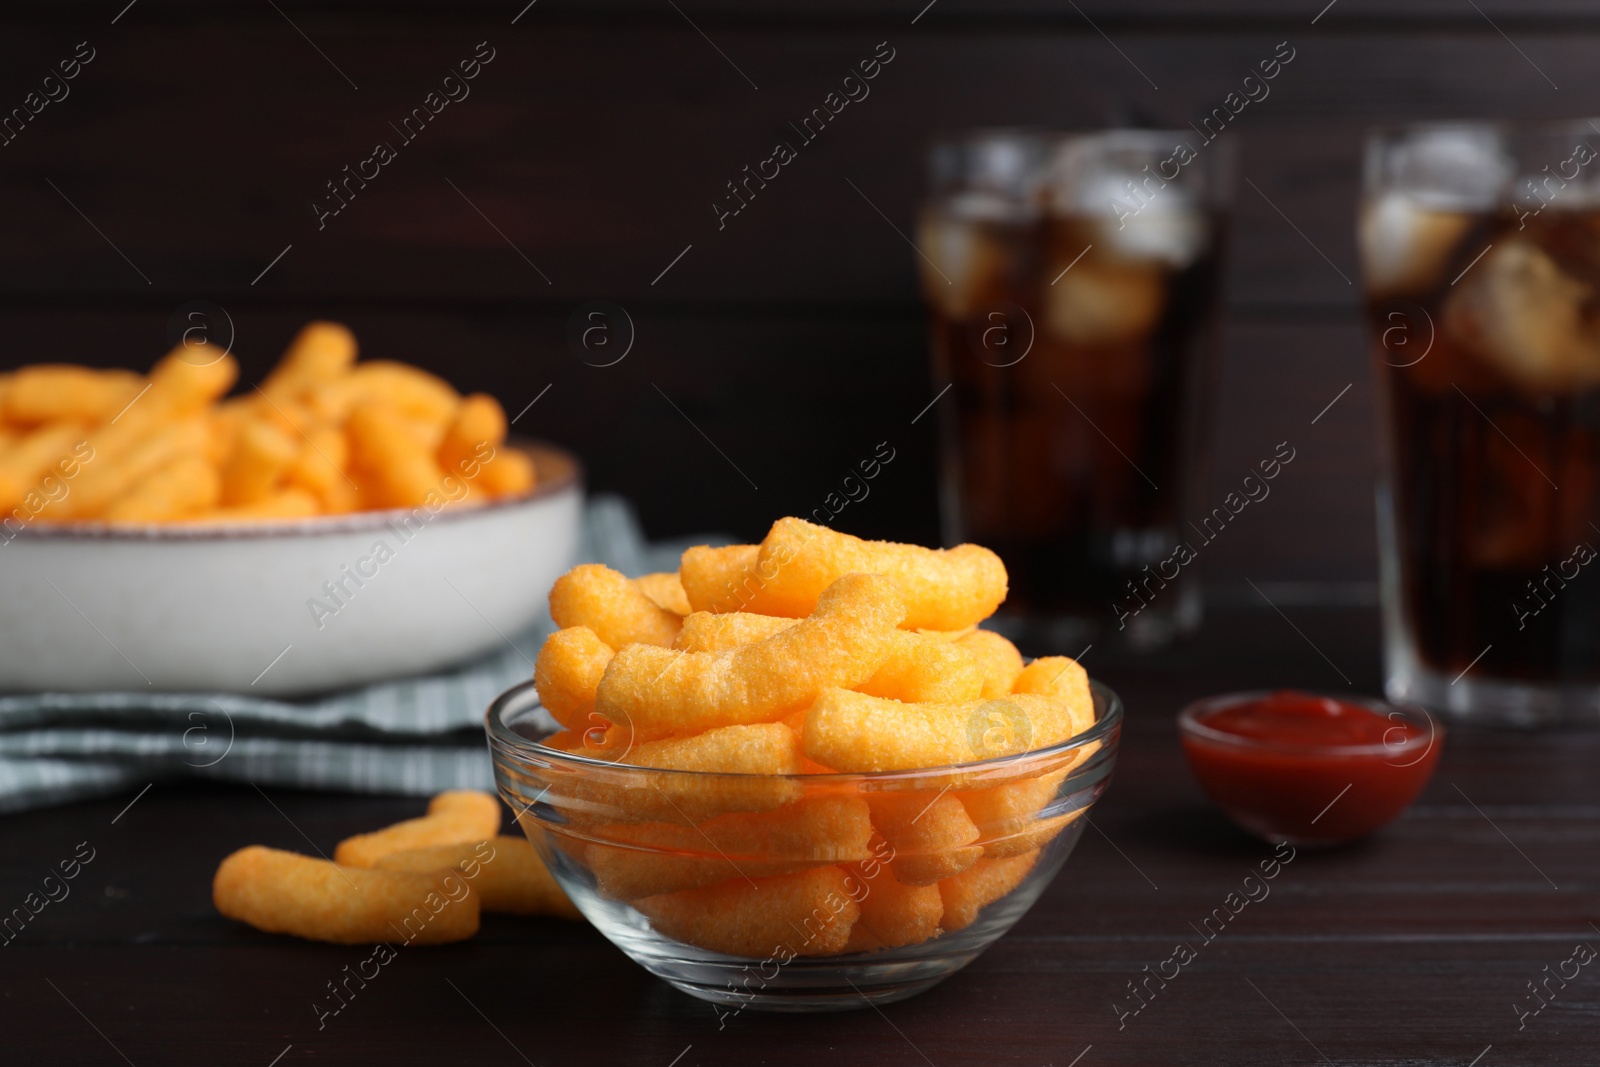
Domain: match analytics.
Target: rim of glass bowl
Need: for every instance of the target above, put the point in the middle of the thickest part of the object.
(1189, 725)
(516, 699)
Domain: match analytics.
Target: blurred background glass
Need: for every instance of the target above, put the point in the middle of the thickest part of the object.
(1481, 254)
(1073, 282)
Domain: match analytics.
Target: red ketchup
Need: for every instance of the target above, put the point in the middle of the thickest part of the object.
(1305, 769)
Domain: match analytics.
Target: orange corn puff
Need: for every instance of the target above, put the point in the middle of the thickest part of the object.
(321, 352)
(1061, 678)
(644, 859)
(177, 392)
(855, 732)
(509, 473)
(1005, 814)
(761, 748)
(285, 893)
(666, 590)
(261, 455)
(806, 914)
(180, 384)
(56, 392)
(567, 672)
(41, 453)
(479, 424)
(112, 473)
(944, 589)
(292, 418)
(392, 468)
(452, 817)
(986, 881)
(183, 487)
(616, 609)
(319, 469)
(947, 635)
(505, 873)
(407, 389)
(999, 658)
(704, 631)
(920, 669)
(892, 914)
(930, 832)
(467, 804)
(720, 579)
(661, 691)
(754, 757)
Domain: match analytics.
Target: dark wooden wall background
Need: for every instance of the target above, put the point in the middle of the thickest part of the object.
(598, 137)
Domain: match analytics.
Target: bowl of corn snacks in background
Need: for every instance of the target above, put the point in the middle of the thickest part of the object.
(338, 523)
(796, 775)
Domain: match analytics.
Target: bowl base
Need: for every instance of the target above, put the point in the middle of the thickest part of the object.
(789, 983)
(846, 997)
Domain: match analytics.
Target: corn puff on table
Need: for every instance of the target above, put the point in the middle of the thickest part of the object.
(1462, 934)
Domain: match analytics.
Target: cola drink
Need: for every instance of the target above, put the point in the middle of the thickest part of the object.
(1073, 288)
(1481, 261)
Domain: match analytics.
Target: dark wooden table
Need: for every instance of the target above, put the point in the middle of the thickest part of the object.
(1417, 947)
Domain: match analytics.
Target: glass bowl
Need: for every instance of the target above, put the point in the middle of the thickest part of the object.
(807, 892)
(1311, 795)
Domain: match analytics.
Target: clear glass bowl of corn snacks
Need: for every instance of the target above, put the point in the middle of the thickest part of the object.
(817, 890)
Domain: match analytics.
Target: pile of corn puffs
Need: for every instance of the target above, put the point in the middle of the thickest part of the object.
(320, 435)
(812, 652)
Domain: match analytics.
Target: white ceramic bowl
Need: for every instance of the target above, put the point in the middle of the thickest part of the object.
(248, 608)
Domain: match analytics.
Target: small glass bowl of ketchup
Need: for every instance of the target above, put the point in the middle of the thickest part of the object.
(1305, 769)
